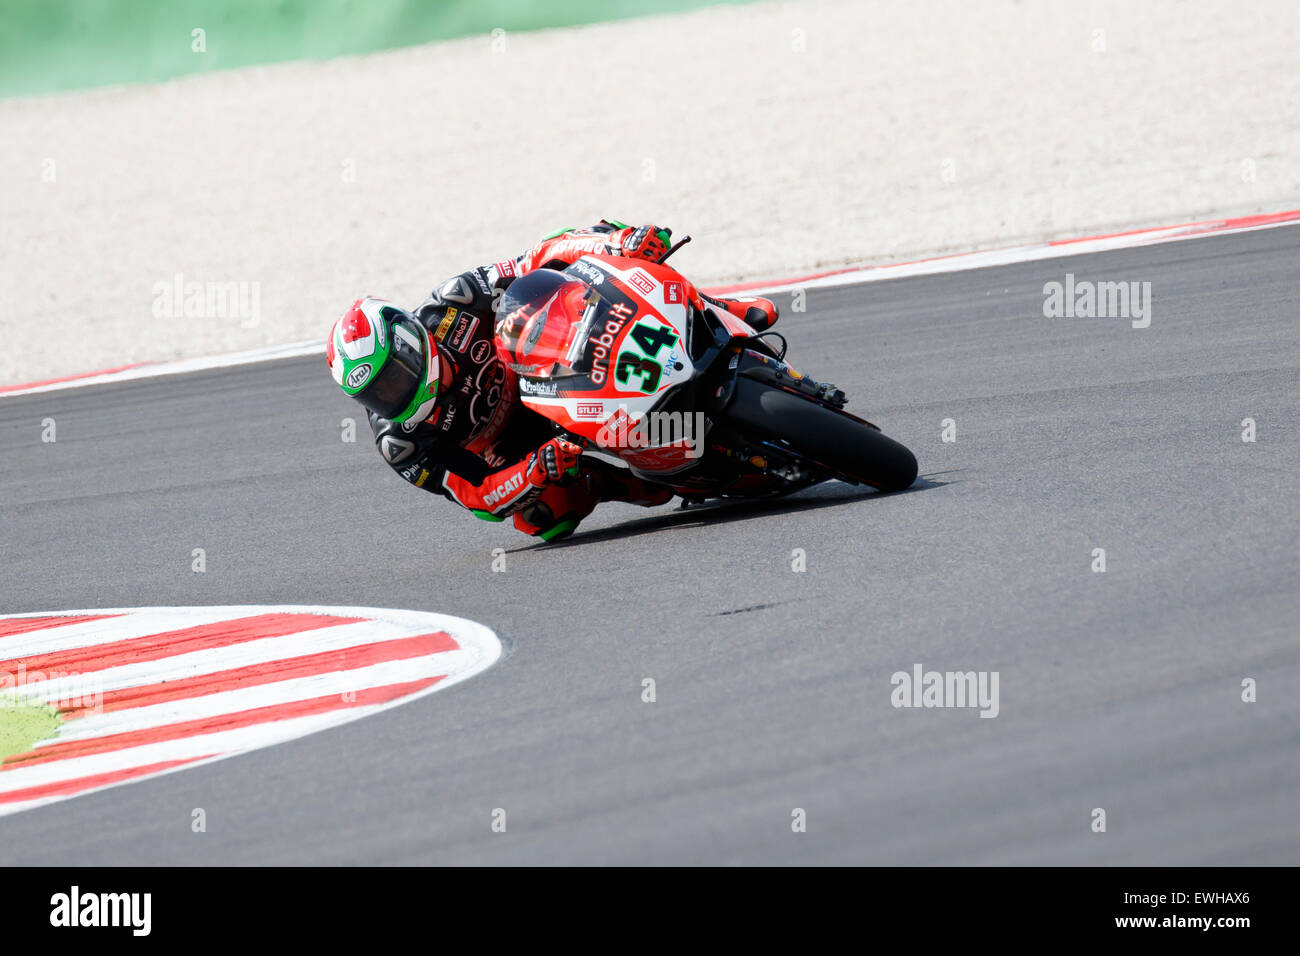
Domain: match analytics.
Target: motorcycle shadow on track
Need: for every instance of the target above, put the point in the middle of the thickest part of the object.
(722, 510)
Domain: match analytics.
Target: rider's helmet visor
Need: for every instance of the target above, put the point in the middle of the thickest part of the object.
(395, 385)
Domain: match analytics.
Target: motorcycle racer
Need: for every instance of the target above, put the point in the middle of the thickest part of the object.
(445, 410)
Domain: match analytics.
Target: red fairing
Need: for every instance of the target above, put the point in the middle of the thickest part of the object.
(571, 246)
(674, 283)
(734, 325)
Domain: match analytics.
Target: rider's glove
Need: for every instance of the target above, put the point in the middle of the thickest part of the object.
(553, 462)
(647, 242)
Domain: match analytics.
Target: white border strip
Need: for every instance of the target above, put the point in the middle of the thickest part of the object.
(959, 262)
(180, 367)
(988, 258)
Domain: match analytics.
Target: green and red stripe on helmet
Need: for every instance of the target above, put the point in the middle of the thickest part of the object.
(382, 356)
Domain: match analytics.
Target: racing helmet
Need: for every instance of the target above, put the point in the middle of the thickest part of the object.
(383, 356)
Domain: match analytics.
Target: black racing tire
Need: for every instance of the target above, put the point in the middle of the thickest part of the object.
(832, 439)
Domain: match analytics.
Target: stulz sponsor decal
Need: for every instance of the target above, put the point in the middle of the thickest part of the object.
(176, 687)
(641, 281)
(593, 410)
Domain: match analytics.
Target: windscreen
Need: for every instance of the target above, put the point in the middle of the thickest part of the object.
(542, 321)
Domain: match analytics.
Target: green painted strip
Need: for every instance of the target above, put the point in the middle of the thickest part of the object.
(49, 45)
(22, 725)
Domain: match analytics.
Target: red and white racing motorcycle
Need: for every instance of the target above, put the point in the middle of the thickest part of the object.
(627, 358)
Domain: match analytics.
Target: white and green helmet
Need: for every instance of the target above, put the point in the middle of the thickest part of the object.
(383, 357)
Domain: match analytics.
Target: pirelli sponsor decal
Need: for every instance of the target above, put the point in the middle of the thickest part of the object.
(445, 324)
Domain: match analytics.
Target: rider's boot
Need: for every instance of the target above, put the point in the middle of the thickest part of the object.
(556, 512)
(758, 313)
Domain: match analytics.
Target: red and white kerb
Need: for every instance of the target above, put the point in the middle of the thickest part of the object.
(144, 691)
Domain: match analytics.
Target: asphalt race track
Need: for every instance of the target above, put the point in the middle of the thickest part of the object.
(1118, 690)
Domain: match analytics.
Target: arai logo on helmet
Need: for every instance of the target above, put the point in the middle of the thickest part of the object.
(357, 377)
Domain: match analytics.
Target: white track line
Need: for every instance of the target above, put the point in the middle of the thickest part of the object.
(963, 262)
(181, 366)
(866, 273)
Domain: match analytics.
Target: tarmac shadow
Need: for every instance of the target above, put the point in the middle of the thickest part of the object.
(832, 494)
